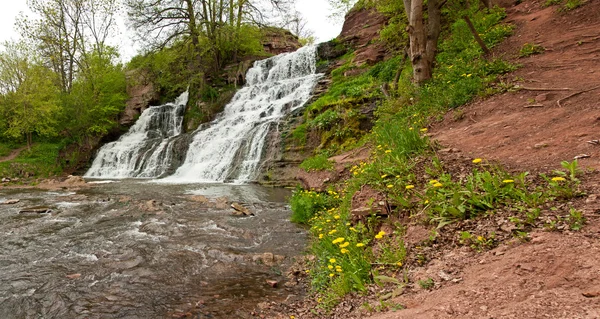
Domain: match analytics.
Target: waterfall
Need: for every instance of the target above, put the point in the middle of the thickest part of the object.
(146, 149)
(230, 148)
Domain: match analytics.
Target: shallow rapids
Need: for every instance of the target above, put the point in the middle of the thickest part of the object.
(137, 250)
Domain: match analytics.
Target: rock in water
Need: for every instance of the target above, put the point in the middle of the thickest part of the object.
(36, 210)
(241, 209)
(10, 202)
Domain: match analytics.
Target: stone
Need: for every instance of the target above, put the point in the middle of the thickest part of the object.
(241, 209)
(73, 276)
(5, 180)
(10, 202)
(36, 210)
(272, 283)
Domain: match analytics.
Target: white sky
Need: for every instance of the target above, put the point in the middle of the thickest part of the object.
(316, 13)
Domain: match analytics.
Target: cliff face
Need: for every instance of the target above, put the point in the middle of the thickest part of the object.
(142, 93)
(361, 32)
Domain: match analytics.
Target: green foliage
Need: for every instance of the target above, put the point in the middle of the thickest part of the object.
(317, 163)
(530, 49)
(40, 161)
(426, 283)
(305, 204)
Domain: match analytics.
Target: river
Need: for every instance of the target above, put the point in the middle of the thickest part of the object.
(132, 249)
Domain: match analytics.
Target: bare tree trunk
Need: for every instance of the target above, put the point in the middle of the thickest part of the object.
(476, 35)
(418, 43)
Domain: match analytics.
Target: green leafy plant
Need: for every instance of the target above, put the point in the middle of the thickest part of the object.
(317, 163)
(530, 49)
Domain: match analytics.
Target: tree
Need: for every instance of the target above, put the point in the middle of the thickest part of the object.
(423, 35)
(30, 96)
(64, 31)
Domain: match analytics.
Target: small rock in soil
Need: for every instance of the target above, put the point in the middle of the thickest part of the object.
(591, 294)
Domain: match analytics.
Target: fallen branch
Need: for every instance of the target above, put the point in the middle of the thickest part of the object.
(542, 89)
(533, 105)
(574, 94)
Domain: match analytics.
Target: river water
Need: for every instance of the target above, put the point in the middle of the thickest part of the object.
(131, 249)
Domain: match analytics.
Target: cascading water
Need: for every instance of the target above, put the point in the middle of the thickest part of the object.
(230, 148)
(145, 151)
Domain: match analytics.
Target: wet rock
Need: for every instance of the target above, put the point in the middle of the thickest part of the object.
(268, 259)
(74, 180)
(10, 202)
(200, 199)
(126, 264)
(241, 210)
(36, 210)
(221, 203)
(5, 180)
(153, 205)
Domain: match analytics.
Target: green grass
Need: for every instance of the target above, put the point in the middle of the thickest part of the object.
(529, 49)
(317, 163)
(40, 161)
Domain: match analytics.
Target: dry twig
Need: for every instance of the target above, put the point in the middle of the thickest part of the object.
(575, 94)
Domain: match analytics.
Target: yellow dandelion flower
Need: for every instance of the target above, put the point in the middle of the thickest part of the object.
(331, 275)
(344, 245)
(380, 235)
(508, 181)
(339, 270)
(558, 179)
(344, 251)
(410, 129)
(477, 161)
(333, 231)
(438, 185)
(390, 186)
(338, 240)
(399, 264)
(332, 260)
(360, 245)
(424, 130)
(480, 238)
(330, 267)
(388, 151)
(336, 216)
(433, 181)
(320, 236)
(384, 176)
(410, 186)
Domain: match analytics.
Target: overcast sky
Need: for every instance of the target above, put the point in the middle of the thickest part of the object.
(316, 13)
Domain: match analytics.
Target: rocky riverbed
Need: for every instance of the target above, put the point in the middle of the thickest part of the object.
(134, 249)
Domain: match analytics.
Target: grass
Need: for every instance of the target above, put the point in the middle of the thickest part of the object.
(404, 168)
(317, 163)
(39, 161)
(529, 49)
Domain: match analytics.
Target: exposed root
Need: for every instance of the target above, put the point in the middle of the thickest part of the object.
(574, 94)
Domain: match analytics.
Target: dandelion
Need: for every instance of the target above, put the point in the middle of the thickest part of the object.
(333, 231)
(508, 181)
(344, 251)
(338, 240)
(331, 275)
(477, 161)
(410, 128)
(336, 216)
(410, 186)
(344, 245)
(332, 260)
(433, 181)
(330, 267)
(338, 269)
(320, 236)
(380, 235)
(388, 151)
(424, 130)
(384, 176)
(399, 264)
(353, 229)
(347, 224)
(480, 238)
(390, 186)
(355, 173)
(469, 75)
(558, 179)
(360, 245)
(438, 184)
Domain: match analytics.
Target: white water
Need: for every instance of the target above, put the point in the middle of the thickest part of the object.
(231, 147)
(145, 150)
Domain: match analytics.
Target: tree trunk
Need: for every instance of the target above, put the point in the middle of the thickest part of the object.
(418, 43)
(476, 35)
